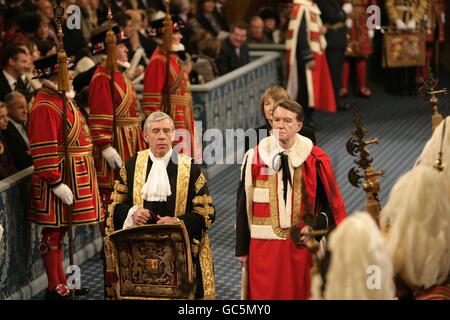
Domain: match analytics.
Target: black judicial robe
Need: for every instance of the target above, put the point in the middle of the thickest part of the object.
(190, 202)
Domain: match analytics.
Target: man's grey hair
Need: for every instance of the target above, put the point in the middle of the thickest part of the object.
(156, 117)
(11, 97)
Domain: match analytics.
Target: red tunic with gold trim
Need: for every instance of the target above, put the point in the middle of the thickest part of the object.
(128, 135)
(435, 21)
(47, 150)
(306, 43)
(277, 268)
(180, 99)
(359, 43)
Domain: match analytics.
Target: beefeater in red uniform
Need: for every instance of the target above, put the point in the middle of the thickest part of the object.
(172, 94)
(116, 130)
(51, 194)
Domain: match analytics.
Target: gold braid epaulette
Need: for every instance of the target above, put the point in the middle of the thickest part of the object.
(118, 195)
(204, 205)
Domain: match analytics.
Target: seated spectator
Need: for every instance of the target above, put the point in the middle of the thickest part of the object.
(205, 65)
(16, 132)
(210, 20)
(6, 161)
(256, 31)
(14, 63)
(45, 42)
(147, 42)
(234, 52)
(33, 53)
(271, 20)
(130, 30)
(87, 20)
(44, 8)
(182, 8)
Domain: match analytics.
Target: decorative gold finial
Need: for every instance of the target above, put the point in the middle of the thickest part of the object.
(357, 145)
(111, 63)
(63, 71)
(167, 36)
(428, 94)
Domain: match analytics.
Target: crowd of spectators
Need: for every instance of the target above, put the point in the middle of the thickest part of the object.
(212, 46)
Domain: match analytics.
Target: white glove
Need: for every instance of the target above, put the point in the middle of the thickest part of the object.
(371, 33)
(400, 24)
(349, 23)
(63, 192)
(411, 24)
(348, 8)
(112, 157)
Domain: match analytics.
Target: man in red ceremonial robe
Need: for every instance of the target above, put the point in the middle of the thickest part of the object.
(270, 202)
(179, 106)
(113, 145)
(51, 193)
(309, 80)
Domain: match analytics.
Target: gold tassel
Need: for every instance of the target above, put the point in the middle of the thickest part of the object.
(63, 72)
(167, 37)
(111, 50)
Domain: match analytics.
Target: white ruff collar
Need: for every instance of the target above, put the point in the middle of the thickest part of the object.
(269, 148)
(157, 186)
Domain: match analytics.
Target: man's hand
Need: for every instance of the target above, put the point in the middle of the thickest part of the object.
(348, 8)
(411, 24)
(311, 64)
(400, 24)
(63, 192)
(244, 261)
(112, 157)
(305, 238)
(167, 220)
(140, 216)
(323, 30)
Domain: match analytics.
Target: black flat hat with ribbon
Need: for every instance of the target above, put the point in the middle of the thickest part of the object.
(48, 65)
(157, 26)
(97, 44)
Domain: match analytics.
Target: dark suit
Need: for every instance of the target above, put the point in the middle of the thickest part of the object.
(332, 13)
(5, 88)
(18, 147)
(208, 26)
(228, 59)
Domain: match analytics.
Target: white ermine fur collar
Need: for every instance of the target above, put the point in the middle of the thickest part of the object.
(269, 147)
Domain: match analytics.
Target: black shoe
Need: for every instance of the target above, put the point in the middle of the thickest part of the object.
(342, 107)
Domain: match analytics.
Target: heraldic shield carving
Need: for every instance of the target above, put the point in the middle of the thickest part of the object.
(153, 262)
(404, 49)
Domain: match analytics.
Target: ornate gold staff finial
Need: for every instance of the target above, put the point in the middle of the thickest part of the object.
(63, 71)
(110, 40)
(357, 145)
(427, 93)
(167, 36)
